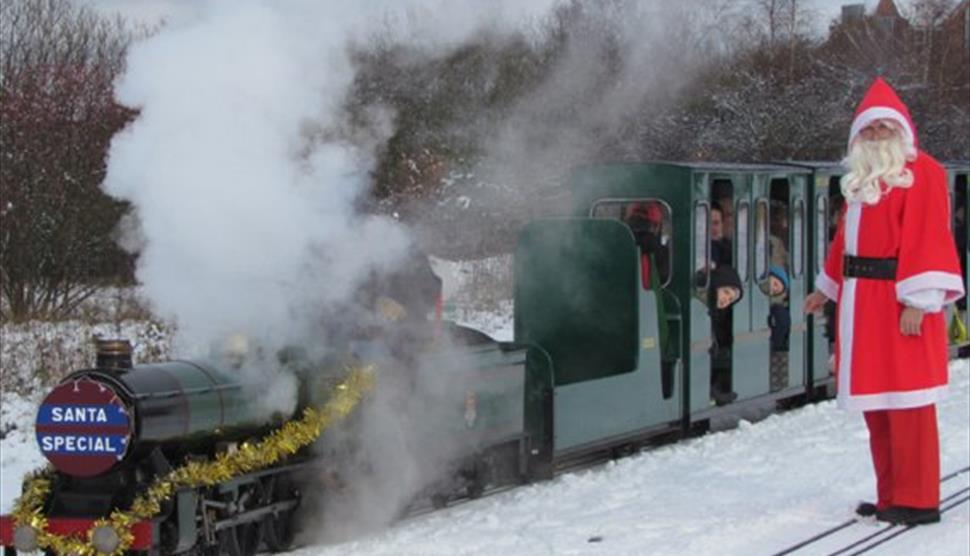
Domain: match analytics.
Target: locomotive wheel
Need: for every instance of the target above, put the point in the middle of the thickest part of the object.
(221, 545)
(243, 540)
(278, 530)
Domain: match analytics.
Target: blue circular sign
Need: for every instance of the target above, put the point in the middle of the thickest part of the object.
(83, 428)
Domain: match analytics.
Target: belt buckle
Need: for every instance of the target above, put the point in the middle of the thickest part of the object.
(849, 266)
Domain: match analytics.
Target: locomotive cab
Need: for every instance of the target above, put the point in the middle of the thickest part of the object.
(579, 295)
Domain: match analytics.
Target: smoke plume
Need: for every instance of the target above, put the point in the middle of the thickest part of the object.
(242, 186)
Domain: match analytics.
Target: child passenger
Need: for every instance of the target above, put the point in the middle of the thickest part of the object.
(725, 291)
(779, 320)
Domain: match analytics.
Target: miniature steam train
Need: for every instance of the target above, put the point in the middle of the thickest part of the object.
(605, 359)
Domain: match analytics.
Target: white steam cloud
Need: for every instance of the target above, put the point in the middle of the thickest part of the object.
(244, 181)
(244, 197)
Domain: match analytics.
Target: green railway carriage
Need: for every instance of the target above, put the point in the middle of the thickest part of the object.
(632, 358)
(633, 361)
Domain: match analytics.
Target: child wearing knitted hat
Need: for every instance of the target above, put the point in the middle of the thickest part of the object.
(778, 284)
(779, 320)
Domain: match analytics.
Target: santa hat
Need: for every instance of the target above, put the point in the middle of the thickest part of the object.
(882, 103)
(650, 211)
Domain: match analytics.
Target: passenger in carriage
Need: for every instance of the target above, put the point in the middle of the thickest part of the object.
(401, 307)
(724, 291)
(646, 221)
(721, 253)
(779, 321)
(778, 239)
(725, 203)
(779, 316)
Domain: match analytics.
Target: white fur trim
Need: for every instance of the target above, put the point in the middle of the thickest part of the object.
(885, 113)
(827, 286)
(892, 400)
(847, 304)
(929, 301)
(931, 280)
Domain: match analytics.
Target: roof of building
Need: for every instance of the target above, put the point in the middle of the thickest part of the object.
(887, 8)
(959, 12)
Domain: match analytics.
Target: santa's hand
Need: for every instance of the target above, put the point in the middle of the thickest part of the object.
(814, 302)
(910, 321)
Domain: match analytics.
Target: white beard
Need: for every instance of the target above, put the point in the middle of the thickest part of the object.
(875, 167)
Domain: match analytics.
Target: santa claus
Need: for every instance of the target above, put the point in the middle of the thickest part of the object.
(891, 268)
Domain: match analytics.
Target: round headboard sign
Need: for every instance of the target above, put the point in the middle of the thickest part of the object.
(83, 427)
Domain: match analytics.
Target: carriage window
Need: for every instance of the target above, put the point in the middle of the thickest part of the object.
(610, 209)
(761, 240)
(701, 244)
(821, 232)
(797, 235)
(742, 236)
(650, 223)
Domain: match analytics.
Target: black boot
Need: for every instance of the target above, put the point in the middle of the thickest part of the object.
(904, 515)
(723, 398)
(866, 509)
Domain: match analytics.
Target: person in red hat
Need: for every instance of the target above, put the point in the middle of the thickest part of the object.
(891, 269)
(646, 222)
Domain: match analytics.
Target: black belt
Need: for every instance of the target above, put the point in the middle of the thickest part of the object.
(867, 267)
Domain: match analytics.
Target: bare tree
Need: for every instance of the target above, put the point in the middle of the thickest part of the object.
(57, 116)
(780, 29)
(772, 11)
(930, 47)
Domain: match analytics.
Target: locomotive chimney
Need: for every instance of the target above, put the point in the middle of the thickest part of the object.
(114, 354)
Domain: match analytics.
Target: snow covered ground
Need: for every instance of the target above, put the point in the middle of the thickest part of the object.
(750, 491)
(753, 490)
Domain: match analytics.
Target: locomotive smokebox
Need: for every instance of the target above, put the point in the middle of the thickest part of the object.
(113, 354)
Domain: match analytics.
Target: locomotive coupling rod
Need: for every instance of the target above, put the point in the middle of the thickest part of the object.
(254, 515)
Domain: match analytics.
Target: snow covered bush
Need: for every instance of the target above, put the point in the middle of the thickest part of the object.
(37, 354)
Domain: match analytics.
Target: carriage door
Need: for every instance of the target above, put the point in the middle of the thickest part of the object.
(743, 322)
(819, 242)
(797, 361)
(779, 284)
(828, 206)
(751, 347)
(699, 358)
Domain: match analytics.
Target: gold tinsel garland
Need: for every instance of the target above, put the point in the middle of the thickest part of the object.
(281, 443)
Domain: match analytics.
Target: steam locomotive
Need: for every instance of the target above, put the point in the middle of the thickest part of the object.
(611, 353)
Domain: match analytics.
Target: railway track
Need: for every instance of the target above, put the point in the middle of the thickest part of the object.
(862, 543)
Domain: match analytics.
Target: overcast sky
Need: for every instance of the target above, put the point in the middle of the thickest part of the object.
(151, 11)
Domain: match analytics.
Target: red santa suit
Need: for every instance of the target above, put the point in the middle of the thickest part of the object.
(896, 379)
